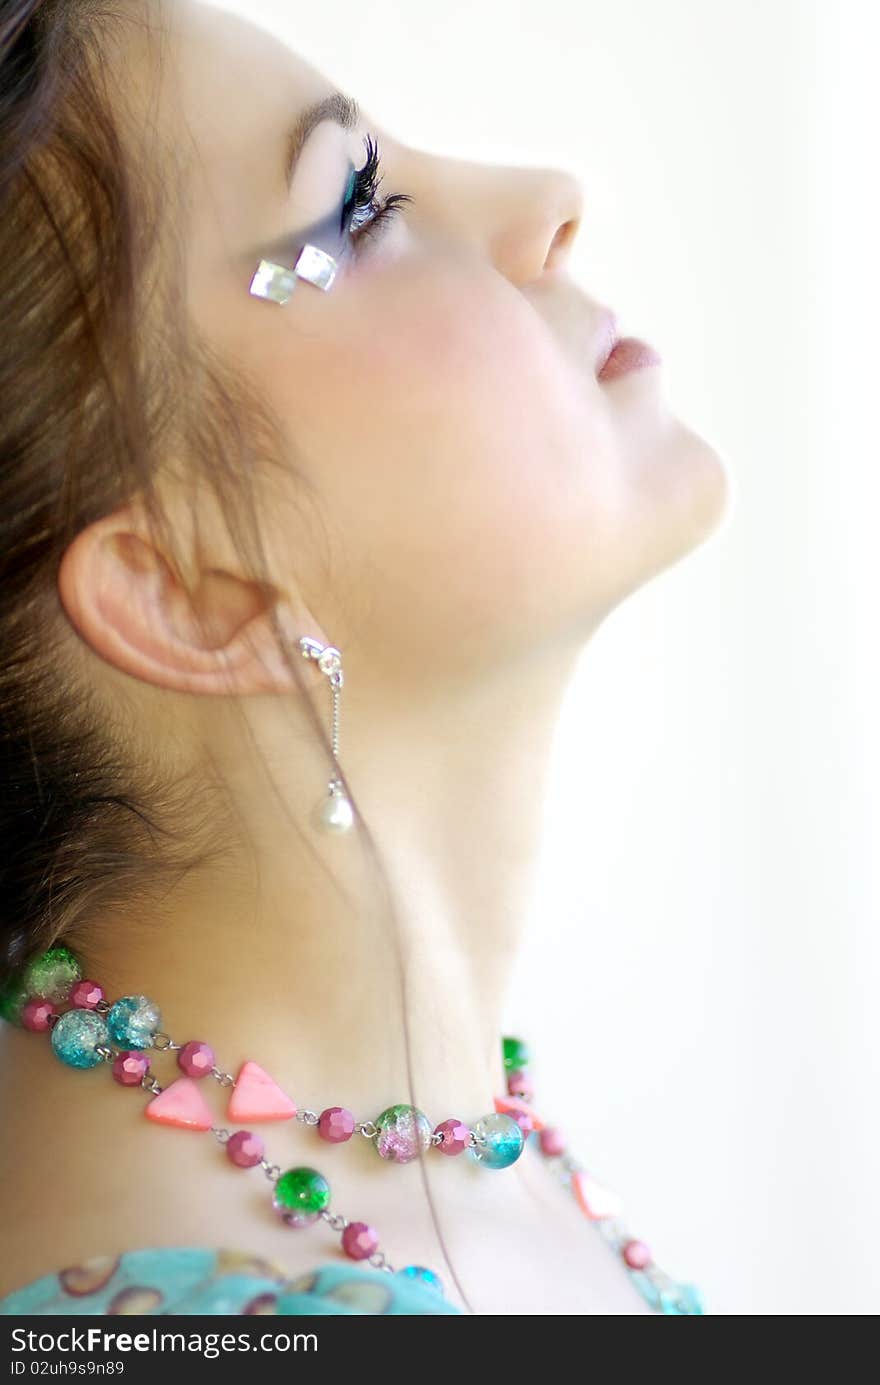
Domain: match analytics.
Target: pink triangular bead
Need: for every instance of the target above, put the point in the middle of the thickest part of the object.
(595, 1201)
(181, 1104)
(257, 1097)
(514, 1106)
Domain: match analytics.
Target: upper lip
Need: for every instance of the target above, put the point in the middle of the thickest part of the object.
(606, 339)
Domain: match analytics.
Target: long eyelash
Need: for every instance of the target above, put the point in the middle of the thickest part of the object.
(364, 200)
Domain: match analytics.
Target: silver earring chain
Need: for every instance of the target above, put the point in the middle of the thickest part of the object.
(337, 814)
(334, 734)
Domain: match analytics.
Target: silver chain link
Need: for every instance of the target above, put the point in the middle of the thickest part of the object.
(335, 1219)
(334, 734)
(225, 1079)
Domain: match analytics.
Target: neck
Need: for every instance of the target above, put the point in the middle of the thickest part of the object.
(284, 950)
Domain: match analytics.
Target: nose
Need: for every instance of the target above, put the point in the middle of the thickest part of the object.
(533, 216)
(523, 219)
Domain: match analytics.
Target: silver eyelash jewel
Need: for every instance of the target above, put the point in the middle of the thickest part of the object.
(276, 282)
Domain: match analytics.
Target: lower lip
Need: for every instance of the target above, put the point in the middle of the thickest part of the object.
(629, 354)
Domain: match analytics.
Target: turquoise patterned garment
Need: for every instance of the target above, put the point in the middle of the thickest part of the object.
(196, 1281)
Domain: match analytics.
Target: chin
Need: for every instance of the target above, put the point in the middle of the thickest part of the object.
(694, 497)
(685, 492)
(707, 489)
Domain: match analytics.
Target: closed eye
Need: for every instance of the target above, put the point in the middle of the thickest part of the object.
(362, 212)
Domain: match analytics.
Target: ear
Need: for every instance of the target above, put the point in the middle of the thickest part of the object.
(125, 600)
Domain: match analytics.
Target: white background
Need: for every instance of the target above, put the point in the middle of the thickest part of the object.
(705, 951)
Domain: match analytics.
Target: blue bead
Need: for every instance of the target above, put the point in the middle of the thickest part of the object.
(76, 1035)
(682, 1300)
(696, 1307)
(425, 1275)
(133, 1021)
(500, 1140)
(646, 1287)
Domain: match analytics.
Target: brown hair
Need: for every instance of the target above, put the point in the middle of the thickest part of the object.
(102, 375)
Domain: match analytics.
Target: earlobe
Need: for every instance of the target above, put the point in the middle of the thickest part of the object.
(125, 600)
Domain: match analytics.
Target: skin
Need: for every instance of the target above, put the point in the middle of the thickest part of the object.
(478, 504)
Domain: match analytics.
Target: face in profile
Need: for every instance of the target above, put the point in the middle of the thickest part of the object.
(464, 485)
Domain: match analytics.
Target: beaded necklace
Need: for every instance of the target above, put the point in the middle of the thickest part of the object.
(86, 1030)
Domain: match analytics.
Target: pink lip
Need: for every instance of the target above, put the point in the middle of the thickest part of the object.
(627, 353)
(609, 333)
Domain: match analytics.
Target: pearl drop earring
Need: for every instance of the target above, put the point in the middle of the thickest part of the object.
(334, 813)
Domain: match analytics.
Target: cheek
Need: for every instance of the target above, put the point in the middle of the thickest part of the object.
(461, 462)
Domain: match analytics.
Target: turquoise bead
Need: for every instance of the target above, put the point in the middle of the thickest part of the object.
(133, 1021)
(500, 1141)
(426, 1276)
(667, 1297)
(646, 1287)
(75, 1037)
(696, 1304)
(615, 1231)
(682, 1300)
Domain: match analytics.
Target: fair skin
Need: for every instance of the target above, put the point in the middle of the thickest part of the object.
(483, 502)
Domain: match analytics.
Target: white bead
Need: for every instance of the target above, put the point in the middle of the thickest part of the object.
(273, 281)
(317, 266)
(336, 813)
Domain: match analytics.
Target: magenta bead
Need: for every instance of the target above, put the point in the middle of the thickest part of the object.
(196, 1059)
(359, 1241)
(520, 1084)
(36, 1015)
(637, 1255)
(455, 1136)
(552, 1141)
(525, 1120)
(130, 1066)
(245, 1149)
(336, 1124)
(84, 995)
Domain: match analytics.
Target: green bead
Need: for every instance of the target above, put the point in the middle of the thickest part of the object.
(402, 1133)
(516, 1054)
(301, 1190)
(12, 999)
(51, 976)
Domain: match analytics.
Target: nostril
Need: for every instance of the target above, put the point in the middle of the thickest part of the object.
(560, 243)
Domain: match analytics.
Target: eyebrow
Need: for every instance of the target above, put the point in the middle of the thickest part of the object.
(344, 110)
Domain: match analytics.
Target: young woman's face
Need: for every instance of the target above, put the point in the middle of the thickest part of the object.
(474, 490)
